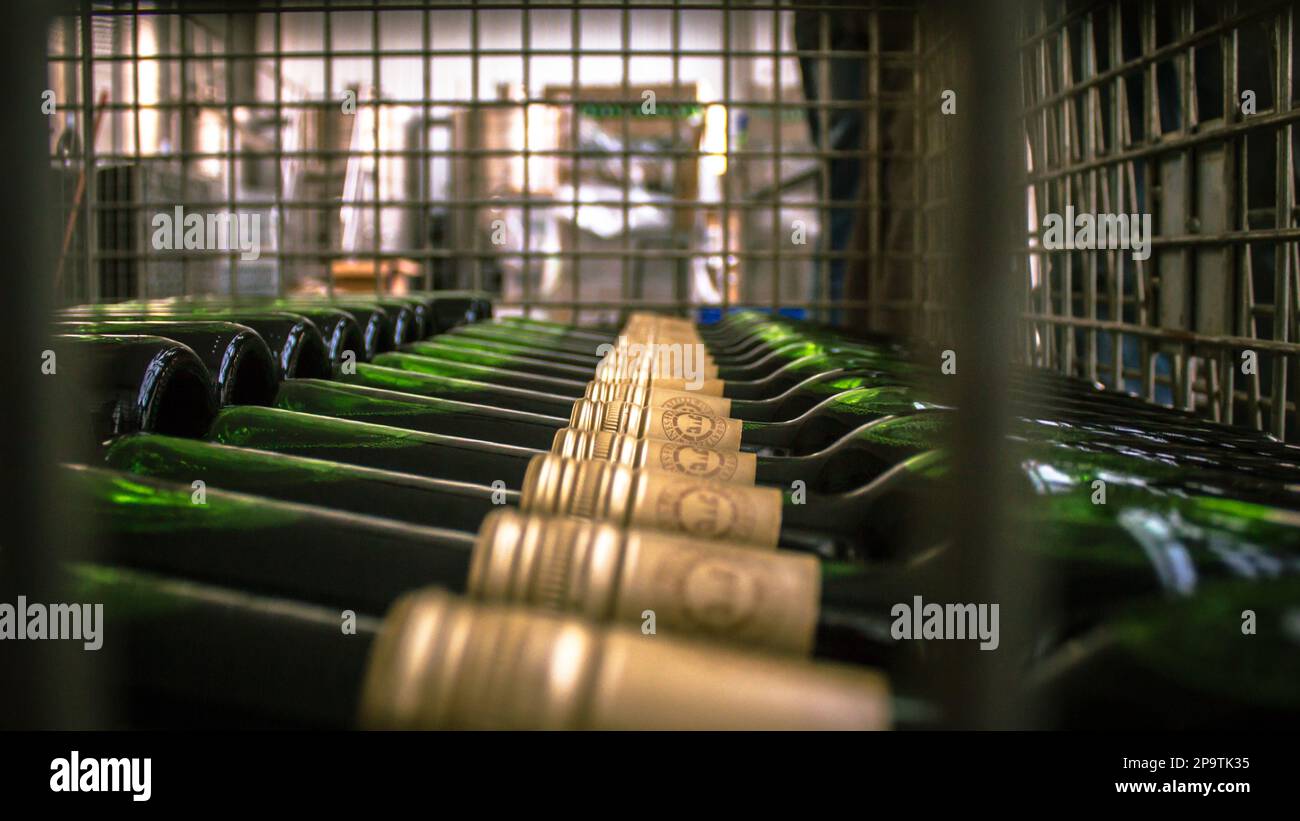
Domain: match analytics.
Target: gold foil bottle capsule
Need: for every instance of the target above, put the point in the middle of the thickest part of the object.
(660, 326)
(641, 393)
(708, 386)
(444, 663)
(701, 508)
(671, 362)
(680, 419)
(626, 391)
(656, 454)
(606, 573)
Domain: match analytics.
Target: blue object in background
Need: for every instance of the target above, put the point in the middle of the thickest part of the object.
(711, 316)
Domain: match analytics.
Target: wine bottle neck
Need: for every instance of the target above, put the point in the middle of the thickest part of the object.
(296, 550)
(868, 523)
(199, 645)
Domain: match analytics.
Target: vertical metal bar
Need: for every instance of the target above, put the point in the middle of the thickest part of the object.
(726, 148)
(376, 94)
(278, 213)
(231, 180)
(1187, 65)
(1232, 146)
(680, 266)
(824, 260)
(426, 195)
(91, 233)
(526, 261)
(1119, 115)
(1151, 110)
(1282, 307)
(77, 284)
(46, 684)
(137, 218)
(778, 120)
(330, 138)
(1092, 121)
(186, 137)
(920, 216)
(575, 162)
(1023, 341)
(1048, 198)
(989, 226)
(1068, 354)
(875, 267)
(475, 115)
(1254, 387)
(625, 53)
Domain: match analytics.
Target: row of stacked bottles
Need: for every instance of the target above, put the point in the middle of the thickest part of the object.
(405, 513)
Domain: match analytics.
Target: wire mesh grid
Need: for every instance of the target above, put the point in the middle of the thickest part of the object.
(1182, 111)
(576, 157)
(585, 158)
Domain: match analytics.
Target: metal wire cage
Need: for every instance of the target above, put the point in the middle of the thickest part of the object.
(575, 157)
(908, 167)
(583, 158)
(1183, 112)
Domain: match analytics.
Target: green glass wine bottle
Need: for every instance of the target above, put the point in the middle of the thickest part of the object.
(857, 457)
(377, 332)
(794, 401)
(243, 370)
(454, 343)
(203, 655)
(399, 327)
(328, 557)
(1143, 540)
(503, 333)
(691, 420)
(423, 413)
(183, 654)
(528, 372)
(401, 496)
(446, 386)
(296, 341)
(1225, 660)
(499, 360)
(565, 565)
(571, 387)
(870, 522)
(361, 443)
(450, 308)
(124, 384)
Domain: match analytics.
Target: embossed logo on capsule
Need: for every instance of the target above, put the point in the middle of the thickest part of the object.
(704, 509)
(697, 461)
(686, 419)
(717, 596)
